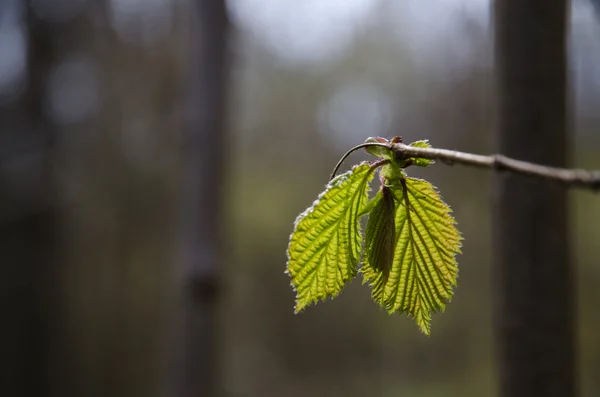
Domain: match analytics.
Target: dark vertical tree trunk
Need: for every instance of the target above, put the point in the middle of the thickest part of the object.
(203, 182)
(83, 281)
(28, 238)
(533, 293)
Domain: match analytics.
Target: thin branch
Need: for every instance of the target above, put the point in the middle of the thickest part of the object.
(349, 152)
(498, 162)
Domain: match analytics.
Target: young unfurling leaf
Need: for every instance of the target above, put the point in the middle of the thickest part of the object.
(380, 232)
(418, 161)
(384, 152)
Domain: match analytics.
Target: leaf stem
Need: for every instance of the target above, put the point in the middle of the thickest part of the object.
(497, 162)
(362, 145)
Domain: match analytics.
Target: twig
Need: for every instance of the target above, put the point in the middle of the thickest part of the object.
(498, 162)
(366, 144)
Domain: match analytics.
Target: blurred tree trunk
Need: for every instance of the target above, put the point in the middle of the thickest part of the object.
(203, 196)
(533, 293)
(28, 225)
(85, 282)
(118, 170)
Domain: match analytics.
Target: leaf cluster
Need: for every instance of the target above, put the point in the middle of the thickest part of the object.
(407, 253)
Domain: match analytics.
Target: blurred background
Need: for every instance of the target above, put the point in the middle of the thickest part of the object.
(140, 150)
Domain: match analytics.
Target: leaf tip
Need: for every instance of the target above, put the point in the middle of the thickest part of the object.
(299, 307)
(423, 320)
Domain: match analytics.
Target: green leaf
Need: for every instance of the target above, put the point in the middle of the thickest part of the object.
(325, 245)
(380, 232)
(422, 143)
(420, 162)
(370, 205)
(424, 268)
(384, 152)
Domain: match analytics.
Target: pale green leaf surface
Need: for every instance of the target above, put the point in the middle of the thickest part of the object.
(325, 245)
(420, 162)
(379, 151)
(424, 268)
(422, 143)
